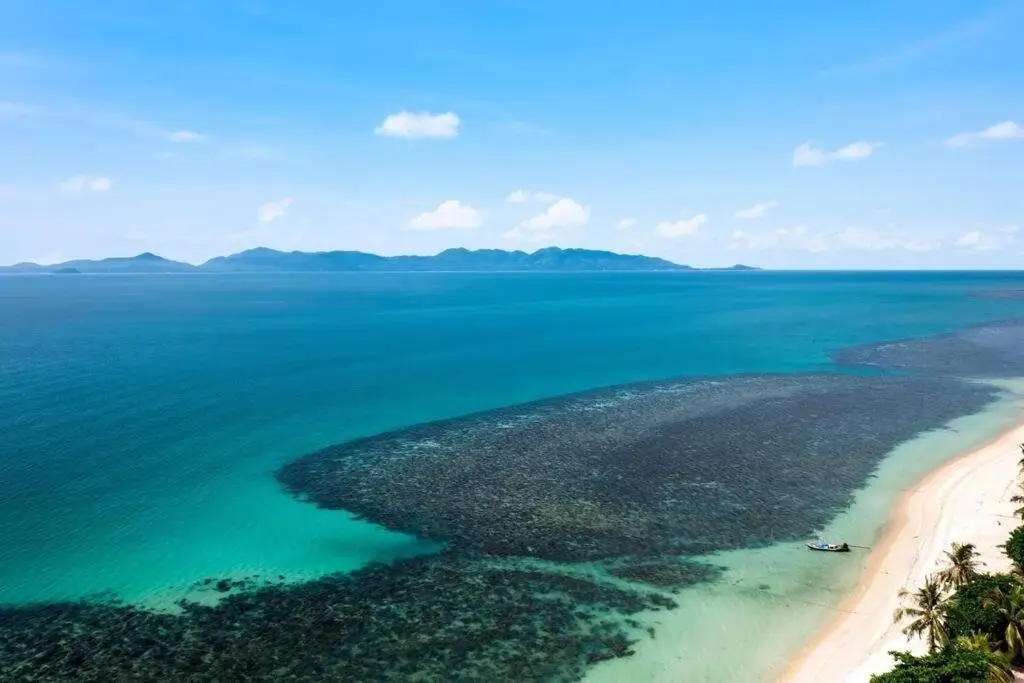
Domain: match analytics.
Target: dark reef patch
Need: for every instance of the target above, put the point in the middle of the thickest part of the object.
(992, 350)
(442, 618)
(667, 573)
(654, 469)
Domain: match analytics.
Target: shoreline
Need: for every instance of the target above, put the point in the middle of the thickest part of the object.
(965, 500)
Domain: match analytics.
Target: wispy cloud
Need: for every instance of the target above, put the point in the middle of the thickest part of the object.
(683, 227)
(271, 211)
(755, 211)
(407, 124)
(1007, 130)
(525, 196)
(185, 136)
(78, 184)
(98, 119)
(809, 154)
(966, 31)
(625, 224)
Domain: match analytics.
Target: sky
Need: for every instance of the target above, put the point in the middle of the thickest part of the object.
(869, 134)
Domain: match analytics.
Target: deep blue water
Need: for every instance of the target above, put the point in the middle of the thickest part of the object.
(142, 418)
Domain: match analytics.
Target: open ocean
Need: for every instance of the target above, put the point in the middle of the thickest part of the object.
(648, 448)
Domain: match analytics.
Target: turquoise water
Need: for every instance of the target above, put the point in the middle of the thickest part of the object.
(143, 417)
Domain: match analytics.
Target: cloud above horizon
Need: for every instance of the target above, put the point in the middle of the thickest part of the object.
(563, 214)
(681, 228)
(809, 154)
(78, 184)
(526, 196)
(755, 211)
(449, 215)
(415, 125)
(1000, 132)
(271, 211)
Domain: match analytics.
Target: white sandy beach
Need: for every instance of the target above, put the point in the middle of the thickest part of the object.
(966, 500)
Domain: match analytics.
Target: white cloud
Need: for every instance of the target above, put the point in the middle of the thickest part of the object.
(1009, 229)
(971, 239)
(1007, 130)
(681, 228)
(808, 154)
(271, 211)
(86, 183)
(744, 239)
(450, 214)
(797, 230)
(185, 136)
(524, 196)
(625, 224)
(563, 214)
(755, 211)
(407, 124)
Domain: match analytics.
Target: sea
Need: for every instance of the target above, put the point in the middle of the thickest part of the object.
(236, 437)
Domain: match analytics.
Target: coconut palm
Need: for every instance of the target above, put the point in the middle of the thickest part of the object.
(1019, 499)
(927, 611)
(1011, 607)
(998, 662)
(963, 565)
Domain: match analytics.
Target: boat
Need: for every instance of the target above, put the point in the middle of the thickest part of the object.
(829, 547)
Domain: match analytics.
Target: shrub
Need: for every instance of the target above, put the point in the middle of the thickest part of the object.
(946, 666)
(1014, 547)
(967, 614)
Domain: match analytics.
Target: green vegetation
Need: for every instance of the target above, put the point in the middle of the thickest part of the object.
(947, 666)
(973, 622)
(1015, 546)
(927, 614)
(967, 613)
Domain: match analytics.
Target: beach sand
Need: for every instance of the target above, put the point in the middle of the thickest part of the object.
(965, 501)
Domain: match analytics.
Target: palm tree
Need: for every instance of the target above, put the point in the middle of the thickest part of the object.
(998, 662)
(1011, 607)
(963, 565)
(1019, 499)
(927, 609)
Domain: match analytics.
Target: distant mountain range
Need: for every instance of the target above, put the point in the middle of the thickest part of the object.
(263, 260)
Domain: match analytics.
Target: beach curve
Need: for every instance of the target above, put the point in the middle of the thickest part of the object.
(965, 500)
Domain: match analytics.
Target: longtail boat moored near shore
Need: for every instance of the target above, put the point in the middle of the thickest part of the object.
(829, 547)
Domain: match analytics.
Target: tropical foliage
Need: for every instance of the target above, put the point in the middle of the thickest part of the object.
(1014, 546)
(973, 622)
(962, 566)
(946, 666)
(925, 609)
(998, 661)
(967, 613)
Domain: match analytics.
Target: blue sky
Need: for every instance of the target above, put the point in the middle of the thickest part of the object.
(798, 134)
